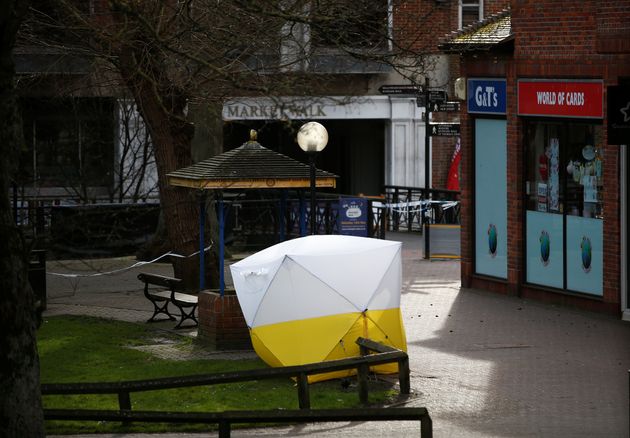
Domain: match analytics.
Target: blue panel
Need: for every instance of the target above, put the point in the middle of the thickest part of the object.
(545, 249)
(491, 198)
(353, 216)
(487, 96)
(585, 261)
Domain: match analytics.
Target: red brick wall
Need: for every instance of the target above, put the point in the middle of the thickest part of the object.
(221, 322)
(424, 23)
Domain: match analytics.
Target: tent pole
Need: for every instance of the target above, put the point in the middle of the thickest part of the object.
(221, 244)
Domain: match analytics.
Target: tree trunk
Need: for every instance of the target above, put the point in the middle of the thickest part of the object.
(162, 108)
(20, 403)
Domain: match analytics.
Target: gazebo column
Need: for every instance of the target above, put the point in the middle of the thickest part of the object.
(282, 214)
(302, 213)
(202, 240)
(221, 214)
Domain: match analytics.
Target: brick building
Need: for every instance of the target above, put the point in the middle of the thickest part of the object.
(545, 131)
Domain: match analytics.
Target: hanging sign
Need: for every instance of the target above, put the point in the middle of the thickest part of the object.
(487, 96)
(619, 115)
(353, 216)
(579, 99)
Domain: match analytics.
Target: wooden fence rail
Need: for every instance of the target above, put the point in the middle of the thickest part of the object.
(382, 354)
(227, 418)
(299, 372)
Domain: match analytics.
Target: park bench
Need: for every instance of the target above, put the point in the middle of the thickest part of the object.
(162, 290)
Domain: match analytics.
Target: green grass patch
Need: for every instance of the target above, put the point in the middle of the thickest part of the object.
(84, 349)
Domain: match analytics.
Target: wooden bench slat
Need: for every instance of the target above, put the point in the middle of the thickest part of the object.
(187, 298)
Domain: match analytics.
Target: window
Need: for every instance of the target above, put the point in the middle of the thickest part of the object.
(69, 142)
(564, 203)
(356, 23)
(470, 11)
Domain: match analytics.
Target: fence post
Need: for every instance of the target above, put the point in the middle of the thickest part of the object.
(304, 398)
(404, 380)
(395, 214)
(124, 401)
(124, 404)
(426, 426)
(224, 429)
(409, 213)
(362, 381)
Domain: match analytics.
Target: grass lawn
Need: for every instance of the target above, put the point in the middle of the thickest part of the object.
(84, 349)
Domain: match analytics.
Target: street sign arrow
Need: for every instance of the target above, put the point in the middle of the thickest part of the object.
(405, 89)
(444, 129)
(444, 106)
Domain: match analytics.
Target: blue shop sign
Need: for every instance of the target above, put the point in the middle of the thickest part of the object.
(487, 96)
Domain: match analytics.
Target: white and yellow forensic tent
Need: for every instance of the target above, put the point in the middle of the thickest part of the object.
(308, 299)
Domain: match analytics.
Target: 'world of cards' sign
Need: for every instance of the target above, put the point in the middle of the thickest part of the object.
(581, 99)
(487, 96)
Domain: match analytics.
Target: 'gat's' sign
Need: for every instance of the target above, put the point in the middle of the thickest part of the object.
(487, 96)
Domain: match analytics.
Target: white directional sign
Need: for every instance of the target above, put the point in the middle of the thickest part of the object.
(405, 89)
(444, 129)
(444, 106)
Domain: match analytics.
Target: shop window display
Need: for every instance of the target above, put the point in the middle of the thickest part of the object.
(564, 201)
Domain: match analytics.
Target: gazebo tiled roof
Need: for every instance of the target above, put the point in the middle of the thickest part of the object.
(249, 166)
(494, 31)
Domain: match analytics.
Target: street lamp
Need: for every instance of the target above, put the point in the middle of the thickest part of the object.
(312, 138)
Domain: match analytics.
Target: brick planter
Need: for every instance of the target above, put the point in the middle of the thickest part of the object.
(221, 321)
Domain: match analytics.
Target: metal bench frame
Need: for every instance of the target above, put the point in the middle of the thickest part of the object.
(186, 303)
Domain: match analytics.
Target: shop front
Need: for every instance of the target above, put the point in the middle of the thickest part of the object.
(564, 184)
(545, 181)
(373, 140)
(486, 103)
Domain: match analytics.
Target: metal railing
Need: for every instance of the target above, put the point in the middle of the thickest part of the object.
(409, 208)
(253, 222)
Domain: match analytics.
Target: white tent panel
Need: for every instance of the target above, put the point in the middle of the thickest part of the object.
(356, 276)
(348, 269)
(296, 294)
(387, 295)
(251, 281)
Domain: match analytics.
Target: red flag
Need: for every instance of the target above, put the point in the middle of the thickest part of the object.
(452, 180)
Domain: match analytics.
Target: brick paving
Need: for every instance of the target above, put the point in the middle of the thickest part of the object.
(484, 365)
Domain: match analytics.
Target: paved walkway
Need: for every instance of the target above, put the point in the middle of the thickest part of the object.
(485, 365)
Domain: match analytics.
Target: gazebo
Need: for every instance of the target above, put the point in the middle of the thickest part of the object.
(250, 166)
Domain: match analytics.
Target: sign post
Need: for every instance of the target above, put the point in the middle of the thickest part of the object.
(433, 100)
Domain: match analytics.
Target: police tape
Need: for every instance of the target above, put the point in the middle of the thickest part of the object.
(414, 206)
(135, 265)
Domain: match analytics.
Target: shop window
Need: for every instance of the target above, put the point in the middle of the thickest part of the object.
(470, 12)
(564, 200)
(68, 143)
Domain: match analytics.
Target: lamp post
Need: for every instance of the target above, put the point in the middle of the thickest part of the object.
(312, 138)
